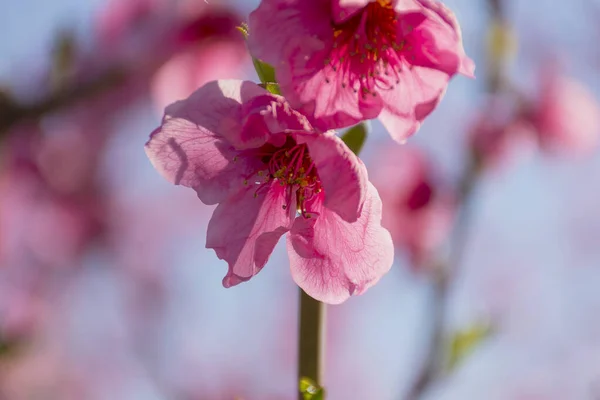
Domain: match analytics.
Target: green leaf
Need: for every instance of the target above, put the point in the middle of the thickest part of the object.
(464, 342)
(355, 137)
(265, 72)
(310, 390)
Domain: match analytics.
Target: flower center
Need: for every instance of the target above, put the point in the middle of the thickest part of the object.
(292, 167)
(366, 49)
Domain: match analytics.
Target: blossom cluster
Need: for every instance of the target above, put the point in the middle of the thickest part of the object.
(273, 162)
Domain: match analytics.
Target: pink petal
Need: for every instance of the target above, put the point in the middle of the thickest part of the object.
(217, 106)
(273, 114)
(194, 146)
(410, 101)
(345, 9)
(321, 94)
(440, 41)
(331, 259)
(567, 116)
(244, 229)
(342, 174)
(280, 24)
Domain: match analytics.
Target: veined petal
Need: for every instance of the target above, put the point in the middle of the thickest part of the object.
(272, 114)
(411, 101)
(331, 259)
(245, 228)
(195, 145)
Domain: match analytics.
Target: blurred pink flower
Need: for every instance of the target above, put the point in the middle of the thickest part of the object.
(177, 48)
(566, 115)
(121, 16)
(214, 49)
(247, 150)
(415, 211)
(42, 214)
(49, 214)
(498, 131)
(345, 61)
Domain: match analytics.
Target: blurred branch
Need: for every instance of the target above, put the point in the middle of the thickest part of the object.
(500, 47)
(12, 113)
(444, 271)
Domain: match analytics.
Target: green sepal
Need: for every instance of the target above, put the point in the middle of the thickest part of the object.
(265, 72)
(271, 87)
(355, 137)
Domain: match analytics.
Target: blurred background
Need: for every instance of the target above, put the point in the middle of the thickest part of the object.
(107, 291)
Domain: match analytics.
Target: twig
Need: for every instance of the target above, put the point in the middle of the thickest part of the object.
(443, 272)
(446, 271)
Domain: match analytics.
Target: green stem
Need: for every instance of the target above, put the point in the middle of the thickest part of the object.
(311, 341)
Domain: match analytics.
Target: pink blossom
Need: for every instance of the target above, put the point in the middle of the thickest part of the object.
(175, 48)
(416, 212)
(120, 16)
(498, 132)
(344, 61)
(271, 174)
(566, 116)
(51, 211)
(214, 49)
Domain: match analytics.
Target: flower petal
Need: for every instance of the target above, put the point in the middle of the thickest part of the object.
(411, 100)
(272, 114)
(279, 24)
(194, 146)
(321, 94)
(345, 9)
(331, 259)
(342, 173)
(217, 107)
(244, 229)
(435, 40)
(445, 40)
